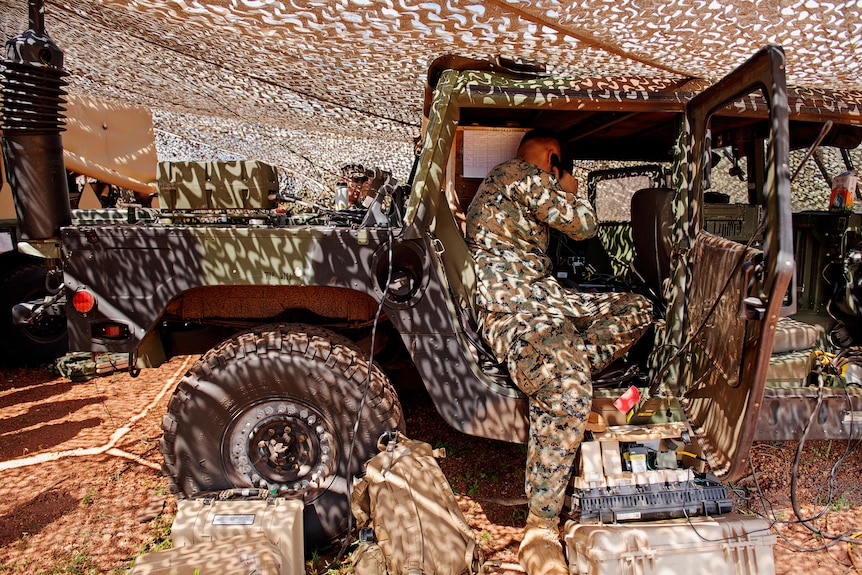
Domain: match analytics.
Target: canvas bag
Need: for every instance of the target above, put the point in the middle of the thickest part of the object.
(405, 498)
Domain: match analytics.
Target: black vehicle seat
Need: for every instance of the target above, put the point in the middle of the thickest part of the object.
(652, 235)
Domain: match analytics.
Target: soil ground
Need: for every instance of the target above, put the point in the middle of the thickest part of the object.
(81, 490)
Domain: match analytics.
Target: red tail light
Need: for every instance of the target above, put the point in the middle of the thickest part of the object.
(113, 331)
(83, 301)
(110, 330)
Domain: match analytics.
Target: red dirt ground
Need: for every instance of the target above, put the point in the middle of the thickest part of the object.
(80, 490)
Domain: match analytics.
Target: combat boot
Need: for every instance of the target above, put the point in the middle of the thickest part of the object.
(541, 552)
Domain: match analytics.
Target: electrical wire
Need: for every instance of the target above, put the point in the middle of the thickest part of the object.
(773, 521)
(693, 335)
(849, 536)
(366, 387)
(806, 522)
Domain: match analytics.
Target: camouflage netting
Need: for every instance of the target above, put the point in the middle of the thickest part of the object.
(309, 85)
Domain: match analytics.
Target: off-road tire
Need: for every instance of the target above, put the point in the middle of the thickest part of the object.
(275, 408)
(25, 345)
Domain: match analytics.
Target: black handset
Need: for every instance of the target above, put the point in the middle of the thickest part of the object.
(555, 163)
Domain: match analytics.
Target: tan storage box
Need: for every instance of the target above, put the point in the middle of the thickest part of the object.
(232, 185)
(280, 520)
(727, 544)
(233, 556)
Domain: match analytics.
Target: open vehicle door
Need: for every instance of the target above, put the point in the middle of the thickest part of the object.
(729, 296)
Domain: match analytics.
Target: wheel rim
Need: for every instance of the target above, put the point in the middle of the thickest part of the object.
(46, 330)
(282, 446)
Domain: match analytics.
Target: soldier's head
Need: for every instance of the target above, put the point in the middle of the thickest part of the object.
(356, 177)
(541, 147)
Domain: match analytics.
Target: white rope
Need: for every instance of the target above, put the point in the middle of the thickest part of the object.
(109, 447)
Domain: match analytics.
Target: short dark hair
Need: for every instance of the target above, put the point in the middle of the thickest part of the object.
(540, 134)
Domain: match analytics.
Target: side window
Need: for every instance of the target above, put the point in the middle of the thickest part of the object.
(606, 258)
(728, 177)
(614, 197)
(610, 189)
(812, 186)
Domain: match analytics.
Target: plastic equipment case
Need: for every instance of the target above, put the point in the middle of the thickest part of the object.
(278, 520)
(243, 555)
(642, 473)
(728, 544)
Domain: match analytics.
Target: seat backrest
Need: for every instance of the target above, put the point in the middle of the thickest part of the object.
(652, 235)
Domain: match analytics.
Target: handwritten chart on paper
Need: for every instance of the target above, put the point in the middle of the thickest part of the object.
(484, 149)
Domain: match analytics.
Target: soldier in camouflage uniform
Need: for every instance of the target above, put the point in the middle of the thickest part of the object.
(357, 179)
(552, 339)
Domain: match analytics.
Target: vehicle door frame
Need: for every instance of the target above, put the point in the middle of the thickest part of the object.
(724, 417)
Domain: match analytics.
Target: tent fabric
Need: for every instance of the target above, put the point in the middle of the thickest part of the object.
(311, 84)
(111, 142)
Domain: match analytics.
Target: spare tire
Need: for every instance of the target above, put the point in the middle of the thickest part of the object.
(29, 345)
(275, 409)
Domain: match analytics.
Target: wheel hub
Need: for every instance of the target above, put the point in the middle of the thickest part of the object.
(281, 445)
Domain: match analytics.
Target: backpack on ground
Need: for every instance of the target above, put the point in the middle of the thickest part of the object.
(408, 503)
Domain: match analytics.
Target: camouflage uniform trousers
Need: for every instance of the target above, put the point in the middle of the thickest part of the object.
(550, 358)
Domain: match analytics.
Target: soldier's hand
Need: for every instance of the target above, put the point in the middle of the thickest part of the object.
(569, 183)
(377, 178)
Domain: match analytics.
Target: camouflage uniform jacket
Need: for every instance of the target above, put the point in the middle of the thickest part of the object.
(508, 224)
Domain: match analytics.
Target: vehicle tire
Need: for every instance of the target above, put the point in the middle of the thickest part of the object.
(275, 408)
(29, 345)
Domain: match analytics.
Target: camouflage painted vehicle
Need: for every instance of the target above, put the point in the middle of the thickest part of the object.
(109, 156)
(303, 321)
(23, 278)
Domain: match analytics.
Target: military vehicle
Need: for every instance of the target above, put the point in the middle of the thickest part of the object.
(109, 158)
(25, 278)
(301, 319)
